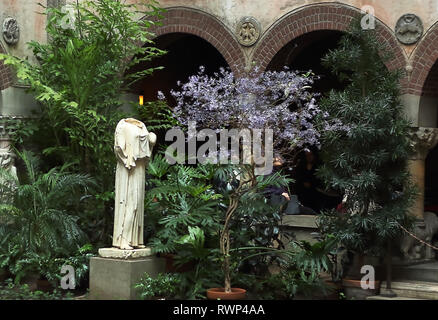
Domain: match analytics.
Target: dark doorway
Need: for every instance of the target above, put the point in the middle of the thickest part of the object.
(186, 53)
(305, 53)
(431, 182)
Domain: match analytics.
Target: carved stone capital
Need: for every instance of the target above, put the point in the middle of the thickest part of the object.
(423, 140)
(8, 127)
(7, 158)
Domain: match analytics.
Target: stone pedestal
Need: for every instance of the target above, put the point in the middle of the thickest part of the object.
(115, 272)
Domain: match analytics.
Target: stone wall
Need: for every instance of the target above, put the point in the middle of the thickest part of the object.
(280, 21)
(274, 24)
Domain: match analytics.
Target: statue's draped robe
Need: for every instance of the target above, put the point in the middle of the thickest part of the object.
(133, 150)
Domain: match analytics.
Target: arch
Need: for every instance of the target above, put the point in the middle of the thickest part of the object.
(330, 16)
(5, 72)
(424, 58)
(205, 26)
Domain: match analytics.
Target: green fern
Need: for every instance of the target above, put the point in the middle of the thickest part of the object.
(36, 215)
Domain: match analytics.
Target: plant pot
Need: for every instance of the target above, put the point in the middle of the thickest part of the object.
(353, 289)
(172, 268)
(219, 293)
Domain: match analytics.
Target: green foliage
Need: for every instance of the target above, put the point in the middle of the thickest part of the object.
(194, 242)
(48, 266)
(369, 162)
(180, 198)
(38, 217)
(36, 228)
(192, 250)
(300, 266)
(163, 286)
(188, 213)
(11, 291)
(79, 80)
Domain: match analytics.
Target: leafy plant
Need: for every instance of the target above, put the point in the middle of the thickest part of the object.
(79, 80)
(180, 198)
(48, 266)
(11, 291)
(163, 286)
(37, 227)
(192, 249)
(157, 114)
(369, 162)
(299, 269)
(38, 216)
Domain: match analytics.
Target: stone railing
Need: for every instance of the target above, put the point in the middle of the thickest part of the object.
(303, 226)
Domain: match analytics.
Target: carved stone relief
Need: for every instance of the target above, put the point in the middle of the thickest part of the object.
(248, 31)
(11, 31)
(409, 29)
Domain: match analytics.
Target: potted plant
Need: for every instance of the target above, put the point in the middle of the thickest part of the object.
(278, 102)
(367, 164)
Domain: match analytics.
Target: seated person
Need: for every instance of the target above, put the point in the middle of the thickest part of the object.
(280, 195)
(306, 182)
(309, 188)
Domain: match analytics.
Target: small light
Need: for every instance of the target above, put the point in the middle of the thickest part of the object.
(140, 100)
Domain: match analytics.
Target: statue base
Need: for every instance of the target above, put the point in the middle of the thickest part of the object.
(117, 253)
(114, 274)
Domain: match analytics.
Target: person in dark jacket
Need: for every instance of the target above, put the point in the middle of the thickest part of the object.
(280, 195)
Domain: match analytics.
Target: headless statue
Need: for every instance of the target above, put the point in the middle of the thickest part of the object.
(133, 148)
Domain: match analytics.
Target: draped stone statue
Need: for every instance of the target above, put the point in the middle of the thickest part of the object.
(133, 148)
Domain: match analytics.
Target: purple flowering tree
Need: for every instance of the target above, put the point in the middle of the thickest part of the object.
(280, 101)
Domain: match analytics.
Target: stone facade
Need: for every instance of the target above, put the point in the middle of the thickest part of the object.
(280, 22)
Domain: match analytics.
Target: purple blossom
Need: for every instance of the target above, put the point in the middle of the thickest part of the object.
(280, 101)
(160, 95)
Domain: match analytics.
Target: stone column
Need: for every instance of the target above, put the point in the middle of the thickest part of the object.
(7, 160)
(423, 139)
(7, 156)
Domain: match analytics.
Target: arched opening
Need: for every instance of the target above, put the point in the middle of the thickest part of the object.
(303, 54)
(185, 54)
(428, 111)
(428, 117)
(431, 178)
